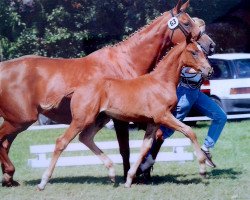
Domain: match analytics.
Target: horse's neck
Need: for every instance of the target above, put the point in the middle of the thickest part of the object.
(168, 70)
(141, 50)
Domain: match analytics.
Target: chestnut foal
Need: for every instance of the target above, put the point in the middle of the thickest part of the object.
(148, 98)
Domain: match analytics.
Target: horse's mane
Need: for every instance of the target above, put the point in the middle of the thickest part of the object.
(137, 31)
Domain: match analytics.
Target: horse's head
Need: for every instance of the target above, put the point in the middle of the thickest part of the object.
(207, 44)
(182, 25)
(194, 57)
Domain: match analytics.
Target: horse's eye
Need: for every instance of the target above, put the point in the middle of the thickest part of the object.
(186, 24)
(195, 54)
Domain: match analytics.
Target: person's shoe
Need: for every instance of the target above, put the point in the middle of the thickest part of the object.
(143, 177)
(147, 174)
(208, 155)
(145, 166)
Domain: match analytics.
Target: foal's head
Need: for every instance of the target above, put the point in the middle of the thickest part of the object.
(194, 57)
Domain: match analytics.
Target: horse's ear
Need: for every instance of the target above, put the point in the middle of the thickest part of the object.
(178, 6)
(185, 6)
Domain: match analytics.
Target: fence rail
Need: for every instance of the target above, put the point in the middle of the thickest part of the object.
(42, 153)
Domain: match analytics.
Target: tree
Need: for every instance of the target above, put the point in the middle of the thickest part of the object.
(45, 27)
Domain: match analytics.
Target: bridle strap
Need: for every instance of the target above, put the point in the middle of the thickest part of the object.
(165, 38)
(180, 26)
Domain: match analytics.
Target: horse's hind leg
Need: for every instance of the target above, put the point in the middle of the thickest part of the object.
(146, 145)
(87, 138)
(8, 133)
(122, 133)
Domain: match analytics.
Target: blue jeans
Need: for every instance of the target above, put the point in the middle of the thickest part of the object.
(193, 98)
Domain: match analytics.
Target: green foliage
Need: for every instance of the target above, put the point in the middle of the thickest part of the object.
(74, 28)
(46, 27)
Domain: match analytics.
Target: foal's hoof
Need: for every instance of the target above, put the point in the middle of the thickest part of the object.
(11, 183)
(112, 175)
(112, 179)
(127, 185)
(40, 187)
(128, 182)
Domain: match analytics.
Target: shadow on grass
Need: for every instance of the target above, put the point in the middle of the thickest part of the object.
(186, 179)
(229, 173)
(156, 180)
(180, 179)
(75, 180)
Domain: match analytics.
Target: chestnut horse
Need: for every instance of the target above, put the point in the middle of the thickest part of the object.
(33, 84)
(148, 98)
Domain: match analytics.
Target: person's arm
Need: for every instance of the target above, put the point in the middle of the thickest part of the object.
(190, 70)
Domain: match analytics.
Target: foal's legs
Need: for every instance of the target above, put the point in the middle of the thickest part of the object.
(61, 144)
(87, 138)
(170, 121)
(84, 112)
(146, 145)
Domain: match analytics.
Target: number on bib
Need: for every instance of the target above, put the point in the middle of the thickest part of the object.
(173, 23)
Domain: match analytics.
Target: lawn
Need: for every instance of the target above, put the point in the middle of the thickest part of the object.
(177, 181)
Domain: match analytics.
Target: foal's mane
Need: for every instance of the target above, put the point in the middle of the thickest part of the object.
(169, 53)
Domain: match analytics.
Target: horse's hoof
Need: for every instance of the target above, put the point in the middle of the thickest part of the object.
(10, 184)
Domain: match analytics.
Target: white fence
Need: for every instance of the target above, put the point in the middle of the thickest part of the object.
(177, 152)
(177, 146)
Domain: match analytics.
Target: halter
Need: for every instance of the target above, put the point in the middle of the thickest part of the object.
(207, 52)
(194, 85)
(179, 25)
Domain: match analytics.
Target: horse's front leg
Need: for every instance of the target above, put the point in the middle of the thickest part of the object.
(146, 145)
(122, 133)
(170, 121)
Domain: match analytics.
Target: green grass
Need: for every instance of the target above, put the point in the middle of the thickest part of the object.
(230, 180)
